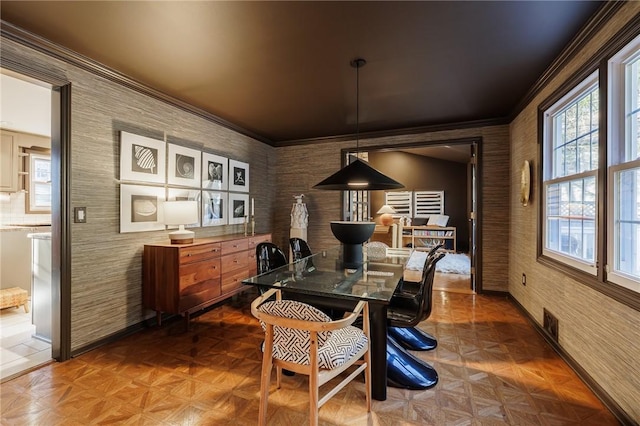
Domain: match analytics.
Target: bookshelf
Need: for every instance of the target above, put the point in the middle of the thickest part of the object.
(425, 237)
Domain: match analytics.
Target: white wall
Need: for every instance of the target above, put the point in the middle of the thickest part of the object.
(24, 107)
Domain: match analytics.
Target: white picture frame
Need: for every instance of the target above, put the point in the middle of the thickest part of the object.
(215, 209)
(184, 194)
(141, 208)
(238, 208)
(238, 176)
(142, 159)
(183, 166)
(215, 173)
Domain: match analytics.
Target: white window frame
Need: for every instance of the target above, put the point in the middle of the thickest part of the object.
(623, 153)
(32, 205)
(582, 88)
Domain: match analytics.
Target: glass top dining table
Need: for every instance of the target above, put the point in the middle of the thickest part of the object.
(322, 280)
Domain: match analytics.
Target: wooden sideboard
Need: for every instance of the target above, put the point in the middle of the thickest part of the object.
(185, 278)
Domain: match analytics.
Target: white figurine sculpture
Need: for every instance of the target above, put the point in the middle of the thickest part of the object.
(299, 220)
(299, 214)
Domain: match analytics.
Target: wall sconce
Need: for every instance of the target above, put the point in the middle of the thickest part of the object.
(181, 213)
(386, 211)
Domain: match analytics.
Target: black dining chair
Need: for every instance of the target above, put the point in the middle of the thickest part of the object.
(299, 248)
(268, 257)
(413, 338)
(406, 311)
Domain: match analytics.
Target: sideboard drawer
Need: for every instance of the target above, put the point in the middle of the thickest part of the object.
(199, 271)
(234, 246)
(257, 239)
(199, 293)
(199, 252)
(233, 280)
(234, 261)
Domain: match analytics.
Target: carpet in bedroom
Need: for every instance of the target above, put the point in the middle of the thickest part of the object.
(454, 263)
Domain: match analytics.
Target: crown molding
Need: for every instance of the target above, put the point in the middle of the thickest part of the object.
(40, 44)
(586, 33)
(396, 132)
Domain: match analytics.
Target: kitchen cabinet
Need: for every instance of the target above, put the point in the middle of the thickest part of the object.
(12, 169)
(9, 162)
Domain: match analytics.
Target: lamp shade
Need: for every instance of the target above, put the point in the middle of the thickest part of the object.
(181, 213)
(358, 176)
(386, 213)
(386, 209)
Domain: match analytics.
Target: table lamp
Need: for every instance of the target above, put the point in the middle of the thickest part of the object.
(386, 211)
(181, 213)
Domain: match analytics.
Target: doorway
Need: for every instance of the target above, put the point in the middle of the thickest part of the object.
(453, 165)
(30, 219)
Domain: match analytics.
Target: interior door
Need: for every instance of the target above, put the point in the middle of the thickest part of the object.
(473, 204)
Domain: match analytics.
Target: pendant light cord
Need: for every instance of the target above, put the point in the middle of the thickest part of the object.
(357, 110)
(357, 64)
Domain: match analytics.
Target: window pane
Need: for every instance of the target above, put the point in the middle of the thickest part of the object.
(571, 214)
(570, 157)
(632, 114)
(42, 194)
(627, 223)
(41, 170)
(575, 144)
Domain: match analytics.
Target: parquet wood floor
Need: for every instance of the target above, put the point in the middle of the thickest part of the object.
(454, 283)
(494, 369)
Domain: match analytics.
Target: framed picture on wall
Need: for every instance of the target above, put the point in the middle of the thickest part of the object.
(142, 159)
(214, 208)
(238, 176)
(215, 172)
(184, 166)
(238, 207)
(183, 194)
(141, 208)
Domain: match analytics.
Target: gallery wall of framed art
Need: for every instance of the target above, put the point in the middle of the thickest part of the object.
(153, 170)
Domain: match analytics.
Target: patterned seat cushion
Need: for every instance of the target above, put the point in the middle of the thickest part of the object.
(292, 345)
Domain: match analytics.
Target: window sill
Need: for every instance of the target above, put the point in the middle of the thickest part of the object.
(618, 293)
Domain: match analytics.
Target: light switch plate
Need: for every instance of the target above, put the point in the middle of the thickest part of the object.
(80, 214)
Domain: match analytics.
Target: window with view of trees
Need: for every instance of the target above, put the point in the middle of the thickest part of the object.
(573, 171)
(570, 176)
(623, 267)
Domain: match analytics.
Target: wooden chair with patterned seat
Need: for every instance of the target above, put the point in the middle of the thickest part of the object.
(302, 339)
